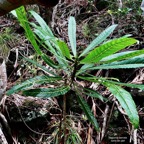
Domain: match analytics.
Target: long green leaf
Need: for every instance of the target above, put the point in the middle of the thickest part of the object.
(129, 55)
(44, 38)
(50, 41)
(47, 92)
(93, 93)
(42, 23)
(113, 56)
(51, 45)
(40, 66)
(88, 112)
(138, 86)
(31, 37)
(72, 34)
(84, 68)
(21, 15)
(126, 102)
(32, 82)
(135, 62)
(48, 61)
(101, 80)
(107, 49)
(99, 39)
(122, 66)
(130, 63)
(64, 49)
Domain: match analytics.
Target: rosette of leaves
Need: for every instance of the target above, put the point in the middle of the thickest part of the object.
(75, 67)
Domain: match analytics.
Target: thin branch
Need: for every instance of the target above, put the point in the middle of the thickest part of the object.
(2, 137)
(64, 117)
(104, 122)
(135, 136)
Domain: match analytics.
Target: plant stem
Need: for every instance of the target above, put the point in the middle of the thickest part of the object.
(62, 129)
(64, 117)
(74, 71)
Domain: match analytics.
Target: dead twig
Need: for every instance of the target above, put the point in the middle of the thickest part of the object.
(104, 122)
(2, 137)
(135, 136)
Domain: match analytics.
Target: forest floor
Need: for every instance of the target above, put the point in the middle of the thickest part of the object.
(36, 121)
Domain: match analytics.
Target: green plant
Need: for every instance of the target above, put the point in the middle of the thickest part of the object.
(121, 10)
(70, 68)
(6, 41)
